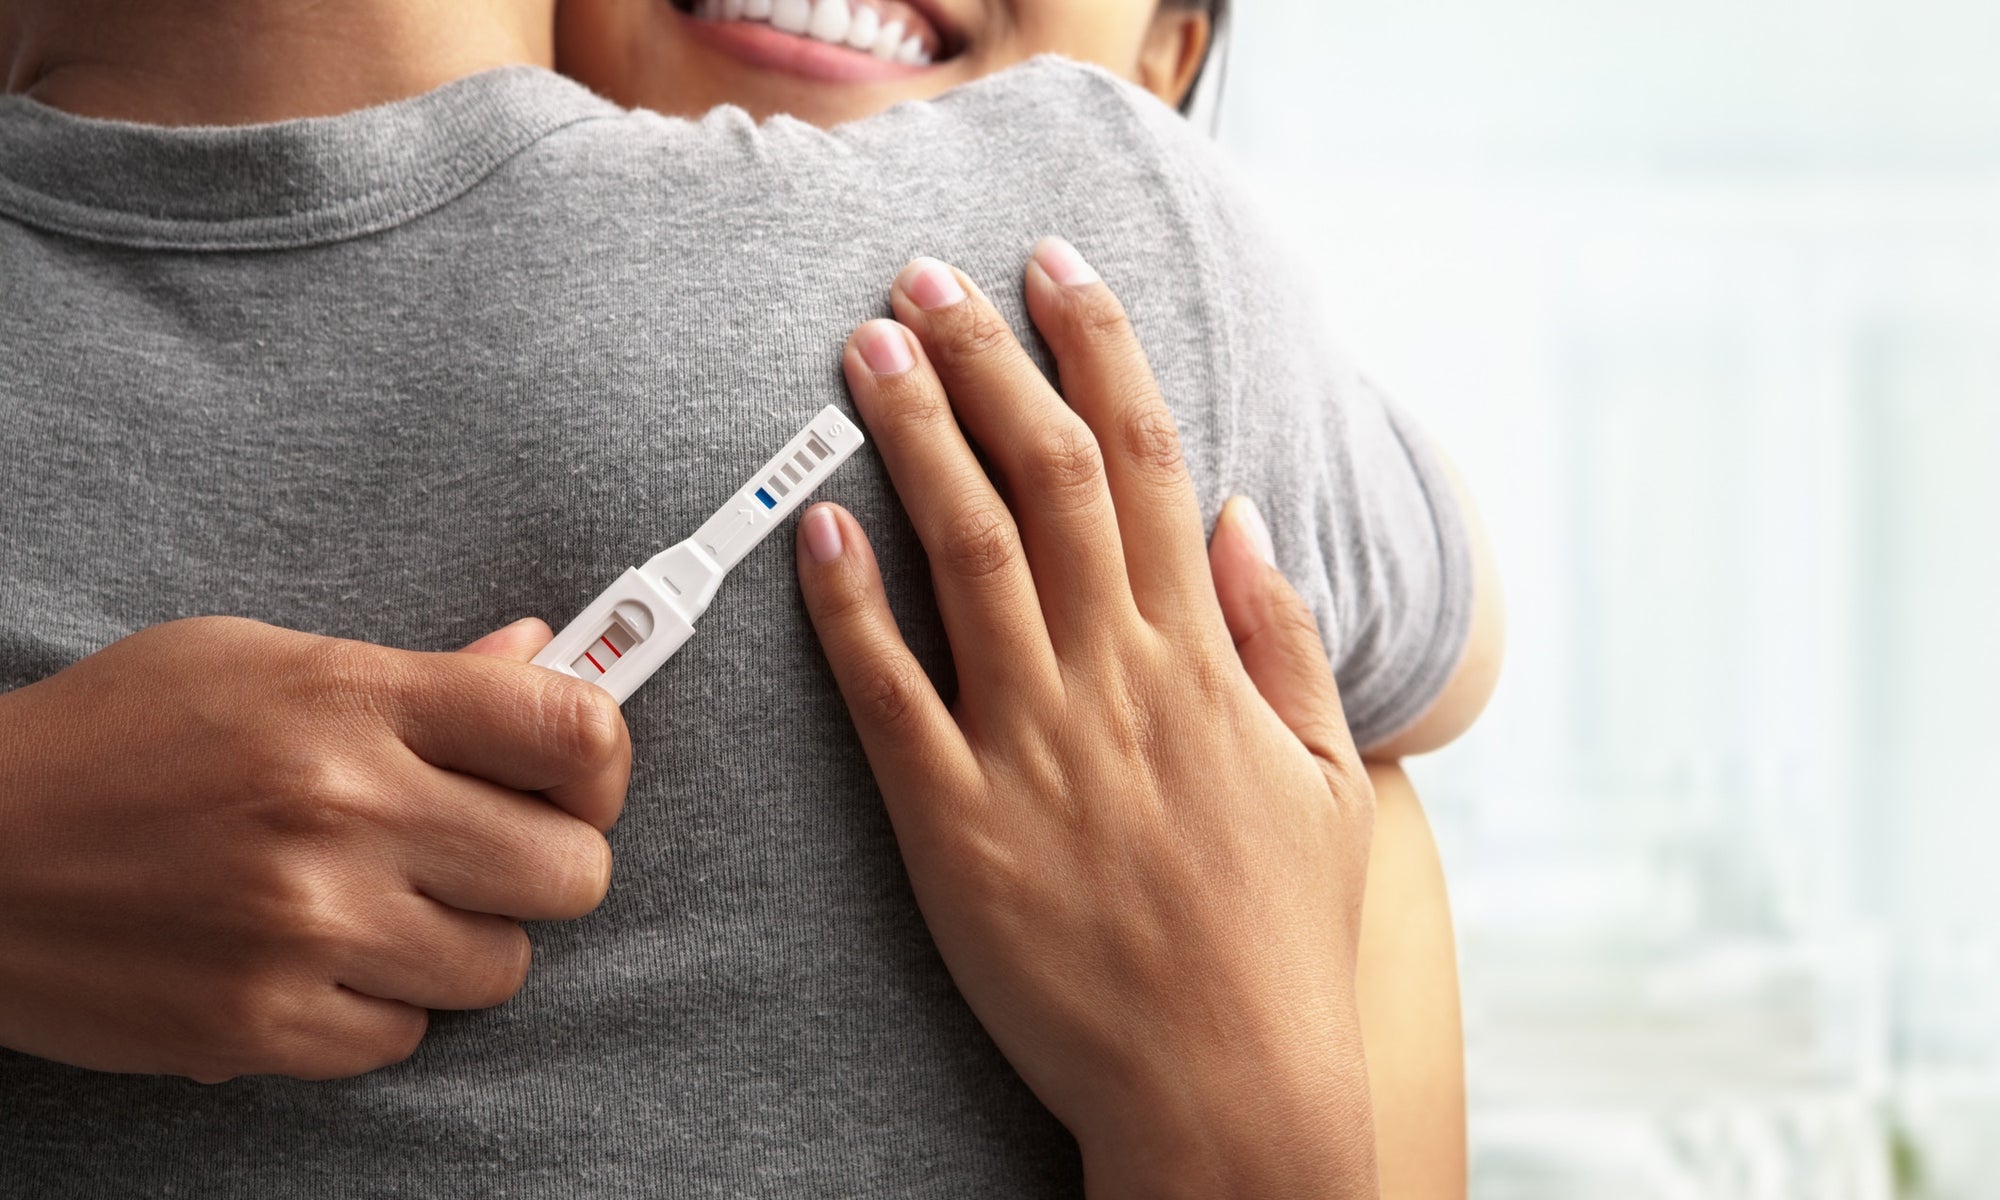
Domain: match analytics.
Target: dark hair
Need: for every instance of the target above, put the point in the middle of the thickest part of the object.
(1218, 12)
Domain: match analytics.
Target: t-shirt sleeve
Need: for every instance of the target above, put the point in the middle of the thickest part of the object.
(1363, 516)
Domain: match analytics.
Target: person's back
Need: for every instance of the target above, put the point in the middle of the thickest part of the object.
(403, 375)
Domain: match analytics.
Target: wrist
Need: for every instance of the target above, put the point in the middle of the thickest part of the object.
(1287, 1116)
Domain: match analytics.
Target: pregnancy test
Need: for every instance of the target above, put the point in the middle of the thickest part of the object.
(631, 630)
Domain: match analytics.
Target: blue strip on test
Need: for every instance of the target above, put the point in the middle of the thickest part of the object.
(766, 498)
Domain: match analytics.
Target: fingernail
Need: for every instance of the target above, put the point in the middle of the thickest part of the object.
(1062, 263)
(1260, 533)
(885, 348)
(822, 535)
(931, 284)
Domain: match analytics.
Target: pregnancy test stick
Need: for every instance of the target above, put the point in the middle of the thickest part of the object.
(631, 630)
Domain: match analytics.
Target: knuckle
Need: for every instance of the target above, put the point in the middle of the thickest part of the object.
(1213, 679)
(977, 542)
(978, 333)
(343, 677)
(841, 596)
(340, 1052)
(268, 1024)
(1065, 467)
(403, 1037)
(288, 916)
(1152, 438)
(316, 927)
(1117, 723)
(257, 1019)
(914, 409)
(885, 698)
(390, 1040)
(307, 793)
(1098, 315)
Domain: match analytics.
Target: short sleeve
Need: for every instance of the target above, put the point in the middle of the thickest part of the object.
(1362, 513)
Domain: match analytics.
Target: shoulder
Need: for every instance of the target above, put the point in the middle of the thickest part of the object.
(1069, 95)
(1047, 115)
(1051, 132)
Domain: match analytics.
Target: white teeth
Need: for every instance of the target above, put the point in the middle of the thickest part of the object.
(829, 21)
(888, 41)
(833, 21)
(792, 16)
(867, 23)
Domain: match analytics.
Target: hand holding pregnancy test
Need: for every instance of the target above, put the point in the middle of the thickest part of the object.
(635, 626)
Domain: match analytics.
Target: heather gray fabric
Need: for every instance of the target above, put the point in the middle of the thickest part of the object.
(410, 374)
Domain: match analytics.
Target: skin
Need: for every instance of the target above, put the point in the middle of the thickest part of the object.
(155, 61)
(280, 873)
(161, 63)
(1060, 817)
(1408, 992)
(641, 53)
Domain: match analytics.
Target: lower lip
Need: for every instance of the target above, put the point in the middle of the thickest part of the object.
(762, 46)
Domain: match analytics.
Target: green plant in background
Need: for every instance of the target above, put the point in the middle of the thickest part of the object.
(1906, 1161)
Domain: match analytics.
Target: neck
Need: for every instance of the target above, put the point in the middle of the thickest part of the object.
(240, 62)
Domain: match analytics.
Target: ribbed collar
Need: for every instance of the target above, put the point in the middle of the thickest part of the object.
(295, 183)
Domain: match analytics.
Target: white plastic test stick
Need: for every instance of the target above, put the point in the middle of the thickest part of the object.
(636, 625)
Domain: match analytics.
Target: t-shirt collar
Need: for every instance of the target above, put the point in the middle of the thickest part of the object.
(292, 183)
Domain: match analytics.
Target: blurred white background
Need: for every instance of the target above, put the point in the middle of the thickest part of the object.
(1704, 297)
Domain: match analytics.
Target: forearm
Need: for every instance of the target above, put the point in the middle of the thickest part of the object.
(1408, 987)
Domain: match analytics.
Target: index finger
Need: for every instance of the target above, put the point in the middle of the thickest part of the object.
(521, 726)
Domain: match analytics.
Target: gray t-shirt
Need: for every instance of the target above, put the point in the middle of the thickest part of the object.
(411, 373)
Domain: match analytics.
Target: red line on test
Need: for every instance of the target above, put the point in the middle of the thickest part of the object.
(594, 662)
(615, 651)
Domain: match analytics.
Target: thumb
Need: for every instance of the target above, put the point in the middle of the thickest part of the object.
(1276, 637)
(519, 642)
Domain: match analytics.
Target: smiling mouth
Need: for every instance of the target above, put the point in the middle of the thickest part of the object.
(891, 31)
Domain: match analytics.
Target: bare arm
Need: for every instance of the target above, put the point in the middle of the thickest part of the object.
(1407, 977)
(1407, 984)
